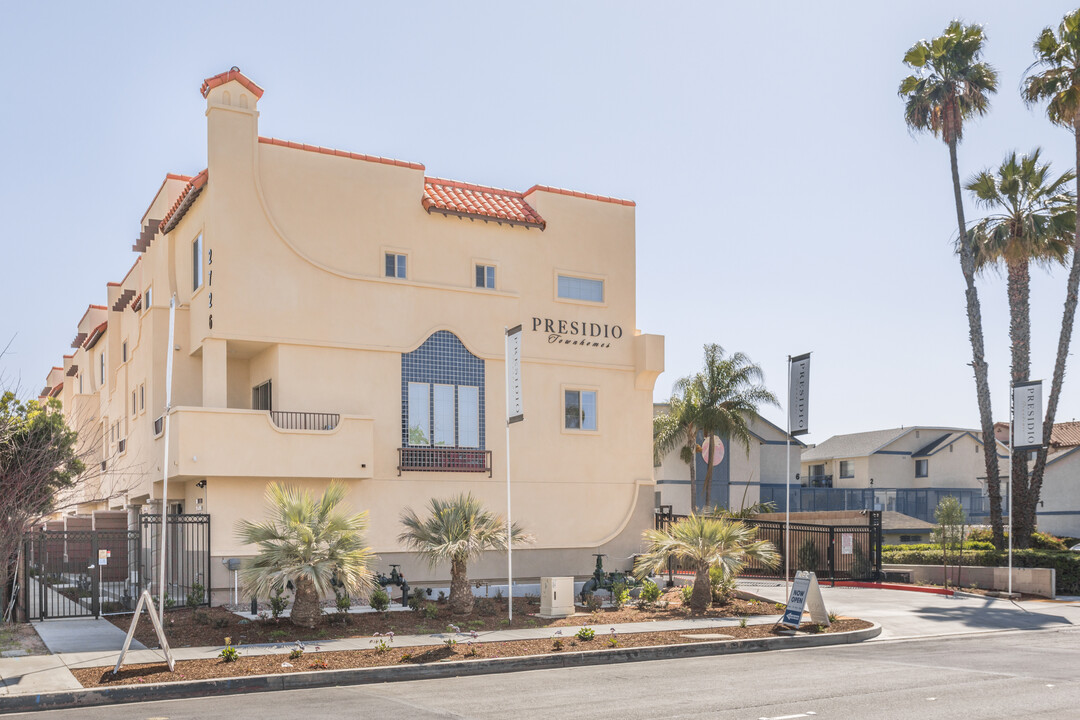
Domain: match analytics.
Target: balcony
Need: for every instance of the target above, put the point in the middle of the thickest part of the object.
(443, 459)
(223, 442)
(819, 481)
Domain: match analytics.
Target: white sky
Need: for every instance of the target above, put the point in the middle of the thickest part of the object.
(782, 205)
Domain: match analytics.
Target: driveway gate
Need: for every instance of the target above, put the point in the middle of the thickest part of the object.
(89, 573)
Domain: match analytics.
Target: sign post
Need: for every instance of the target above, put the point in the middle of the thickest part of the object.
(1025, 434)
(805, 595)
(798, 410)
(514, 414)
(165, 462)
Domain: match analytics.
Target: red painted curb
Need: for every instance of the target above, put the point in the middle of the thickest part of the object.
(888, 586)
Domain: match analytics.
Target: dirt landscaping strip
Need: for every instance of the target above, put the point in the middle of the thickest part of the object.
(438, 667)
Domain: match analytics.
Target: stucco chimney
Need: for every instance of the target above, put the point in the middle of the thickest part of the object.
(232, 125)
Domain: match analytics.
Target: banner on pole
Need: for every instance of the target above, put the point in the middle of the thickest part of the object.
(799, 395)
(1027, 425)
(514, 412)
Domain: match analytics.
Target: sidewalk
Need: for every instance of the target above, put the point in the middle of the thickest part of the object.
(52, 672)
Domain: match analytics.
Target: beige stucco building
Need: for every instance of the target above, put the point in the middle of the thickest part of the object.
(342, 316)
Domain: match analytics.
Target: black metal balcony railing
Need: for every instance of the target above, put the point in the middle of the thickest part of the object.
(304, 420)
(444, 459)
(824, 481)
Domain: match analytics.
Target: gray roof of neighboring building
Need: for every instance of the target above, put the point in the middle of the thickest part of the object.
(854, 444)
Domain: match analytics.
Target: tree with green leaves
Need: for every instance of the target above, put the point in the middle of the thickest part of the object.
(310, 543)
(457, 530)
(677, 428)
(1031, 220)
(39, 462)
(949, 534)
(722, 400)
(949, 85)
(1054, 79)
(703, 542)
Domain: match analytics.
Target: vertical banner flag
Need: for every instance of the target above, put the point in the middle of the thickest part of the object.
(1027, 429)
(514, 412)
(799, 395)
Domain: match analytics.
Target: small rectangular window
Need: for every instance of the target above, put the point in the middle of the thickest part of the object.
(443, 404)
(580, 409)
(922, 468)
(847, 469)
(142, 397)
(419, 414)
(196, 263)
(262, 397)
(123, 352)
(395, 265)
(575, 288)
(102, 363)
(134, 406)
(148, 298)
(485, 276)
(468, 416)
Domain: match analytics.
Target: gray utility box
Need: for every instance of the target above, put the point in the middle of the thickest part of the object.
(556, 597)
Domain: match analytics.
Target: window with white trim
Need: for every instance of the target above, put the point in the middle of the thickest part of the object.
(578, 288)
(485, 276)
(443, 415)
(101, 359)
(396, 265)
(579, 408)
(196, 263)
(148, 298)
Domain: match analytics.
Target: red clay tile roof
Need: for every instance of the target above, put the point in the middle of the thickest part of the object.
(1066, 434)
(136, 304)
(340, 153)
(95, 335)
(575, 193)
(451, 197)
(180, 207)
(56, 390)
(233, 74)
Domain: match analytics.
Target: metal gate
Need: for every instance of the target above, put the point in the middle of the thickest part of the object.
(832, 552)
(89, 573)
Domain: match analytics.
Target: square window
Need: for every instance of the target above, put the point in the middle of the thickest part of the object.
(576, 288)
(922, 468)
(395, 265)
(485, 276)
(196, 263)
(579, 407)
(847, 469)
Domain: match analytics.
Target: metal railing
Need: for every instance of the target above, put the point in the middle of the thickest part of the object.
(304, 420)
(916, 502)
(443, 459)
(818, 481)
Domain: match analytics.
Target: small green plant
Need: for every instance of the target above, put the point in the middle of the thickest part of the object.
(779, 606)
(431, 611)
(585, 633)
(450, 642)
(620, 594)
(471, 652)
(220, 622)
(819, 628)
(742, 622)
(722, 585)
(296, 653)
(278, 602)
(650, 593)
(613, 641)
(531, 622)
(379, 601)
(685, 593)
(201, 617)
(593, 603)
(833, 618)
(417, 600)
(342, 601)
(278, 634)
(169, 602)
(381, 645)
(319, 665)
(406, 657)
(195, 597)
(557, 644)
(228, 653)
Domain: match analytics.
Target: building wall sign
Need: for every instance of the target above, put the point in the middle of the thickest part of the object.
(577, 332)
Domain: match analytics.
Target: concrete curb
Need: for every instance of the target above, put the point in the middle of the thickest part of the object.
(363, 676)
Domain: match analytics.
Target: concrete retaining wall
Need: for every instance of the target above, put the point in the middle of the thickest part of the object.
(1034, 581)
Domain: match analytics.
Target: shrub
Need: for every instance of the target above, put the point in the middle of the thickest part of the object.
(722, 585)
(379, 601)
(431, 611)
(685, 593)
(620, 594)
(650, 593)
(278, 602)
(742, 622)
(585, 633)
(807, 557)
(1066, 564)
(228, 653)
(968, 545)
(296, 653)
(195, 597)
(1039, 540)
(201, 617)
(557, 644)
(220, 622)
(593, 603)
(278, 635)
(416, 600)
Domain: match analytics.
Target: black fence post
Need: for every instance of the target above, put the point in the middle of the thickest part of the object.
(95, 577)
(832, 559)
(875, 541)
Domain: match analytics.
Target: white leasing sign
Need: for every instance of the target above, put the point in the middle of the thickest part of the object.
(514, 411)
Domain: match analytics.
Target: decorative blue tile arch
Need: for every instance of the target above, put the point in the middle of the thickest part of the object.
(441, 359)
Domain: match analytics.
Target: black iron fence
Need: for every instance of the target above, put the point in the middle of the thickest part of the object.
(832, 552)
(304, 420)
(444, 459)
(89, 573)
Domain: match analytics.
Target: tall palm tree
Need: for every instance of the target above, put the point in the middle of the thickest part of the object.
(1054, 78)
(307, 542)
(728, 393)
(458, 530)
(677, 428)
(950, 84)
(1032, 220)
(704, 542)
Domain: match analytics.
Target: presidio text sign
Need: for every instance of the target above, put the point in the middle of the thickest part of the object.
(1027, 429)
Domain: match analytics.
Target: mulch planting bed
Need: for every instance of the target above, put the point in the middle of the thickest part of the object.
(463, 650)
(210, 626)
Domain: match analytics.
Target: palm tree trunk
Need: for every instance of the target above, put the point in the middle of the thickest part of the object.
(1064, 339)
(1019, 285)
(975, 334)
(708, 476)
(461, 597)
(305, 610)
(691, 442)
(701, 597)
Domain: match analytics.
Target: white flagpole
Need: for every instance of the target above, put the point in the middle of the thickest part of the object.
(787, 489)
(509, 520)
(1012, 419)
(165, 461)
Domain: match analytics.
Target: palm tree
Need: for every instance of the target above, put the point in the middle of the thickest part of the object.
(728, 392)
(703, 542)
(309, 543)
(457, 530)
(678, 428)
(1057, 83)
(950, 85)
(1032, 220)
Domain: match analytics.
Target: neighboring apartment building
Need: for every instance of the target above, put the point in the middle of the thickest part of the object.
(343, 316)
(1059, 499)
(738, 481)
(907, 470)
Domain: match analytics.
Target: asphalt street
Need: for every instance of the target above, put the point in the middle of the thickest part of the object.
(1032, 674)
